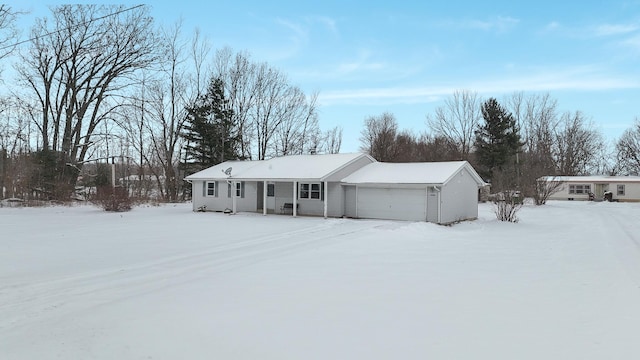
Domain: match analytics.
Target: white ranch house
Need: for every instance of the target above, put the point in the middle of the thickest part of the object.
(340, 185)
(622, 188)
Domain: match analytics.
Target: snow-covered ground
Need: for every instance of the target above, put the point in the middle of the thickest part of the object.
(167, 283)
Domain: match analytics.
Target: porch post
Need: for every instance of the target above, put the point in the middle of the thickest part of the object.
(326, 197)
(264, 198)
(295, 199)
(233, 196)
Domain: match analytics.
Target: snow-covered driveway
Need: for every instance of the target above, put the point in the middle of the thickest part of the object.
(167, 283)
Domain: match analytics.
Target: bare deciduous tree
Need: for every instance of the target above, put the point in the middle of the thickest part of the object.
(538, 121)
(8, 30)
(457, 120)
(628, 149)
(578, 144)
(332, 140)
(298, 130)
(74, 64)
(378, 138)
(238, 74)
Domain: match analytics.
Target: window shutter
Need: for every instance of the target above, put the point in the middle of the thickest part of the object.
(228, 189)
(215, 189)
(204, 189)
(322, 191)
(242, 189)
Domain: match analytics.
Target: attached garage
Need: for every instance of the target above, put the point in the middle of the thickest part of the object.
(442, 192)
(392, 203)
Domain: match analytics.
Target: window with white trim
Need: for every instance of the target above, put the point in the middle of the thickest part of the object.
(211, 188)
(310, 191)
(579, 189)
(240, 189)
(621, 189)
(271, 190)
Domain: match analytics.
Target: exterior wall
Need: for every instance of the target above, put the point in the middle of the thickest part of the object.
(312, 207)
(335, 196)
(563, 192)
(212, 203)
(222, 201)
(632, 193)
(459, 198)
(250, 201)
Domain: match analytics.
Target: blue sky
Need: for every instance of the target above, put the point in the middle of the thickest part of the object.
(365, 58)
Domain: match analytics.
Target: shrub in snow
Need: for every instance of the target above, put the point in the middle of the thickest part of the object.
(112, 198)
(507, 205)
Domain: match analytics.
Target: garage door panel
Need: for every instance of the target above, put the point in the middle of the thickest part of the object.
(393, 204)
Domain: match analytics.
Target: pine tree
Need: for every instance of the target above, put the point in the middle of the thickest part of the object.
(211, 134)
(497, 145)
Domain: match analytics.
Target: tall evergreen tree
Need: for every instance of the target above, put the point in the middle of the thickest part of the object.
(497, 146)
(212, 136)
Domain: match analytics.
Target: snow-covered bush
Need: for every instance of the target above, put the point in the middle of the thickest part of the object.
(112, 198)
(507, 205)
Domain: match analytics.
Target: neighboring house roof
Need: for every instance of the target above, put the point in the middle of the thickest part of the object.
(411, 173)
(593, 179)
(293, 167)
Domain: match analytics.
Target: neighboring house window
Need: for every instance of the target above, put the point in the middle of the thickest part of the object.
(310, 191)
(579, 189)
(621, 190)
(271, 190)
(211, 188)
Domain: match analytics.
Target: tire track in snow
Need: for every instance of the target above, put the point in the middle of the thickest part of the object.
(624, 242)
(23, 303)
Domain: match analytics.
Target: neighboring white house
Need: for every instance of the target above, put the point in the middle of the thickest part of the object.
(621, 188)
(337, 185)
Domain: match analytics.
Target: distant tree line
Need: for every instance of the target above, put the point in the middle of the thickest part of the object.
(512, 142)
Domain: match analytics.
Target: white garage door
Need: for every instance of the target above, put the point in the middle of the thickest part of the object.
(392, 204)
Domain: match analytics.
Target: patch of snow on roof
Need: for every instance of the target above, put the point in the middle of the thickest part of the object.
(405, 173)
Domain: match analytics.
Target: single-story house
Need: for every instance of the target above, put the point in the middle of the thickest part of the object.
(618, 188)
(340, 185)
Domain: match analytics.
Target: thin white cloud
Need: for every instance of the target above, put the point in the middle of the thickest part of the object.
(552, 26)
(329, 23)
(632, 42)
(580, 79)
(615, 29)
(499, 24)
